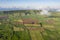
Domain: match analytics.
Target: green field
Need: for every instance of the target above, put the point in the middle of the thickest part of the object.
(50, 29)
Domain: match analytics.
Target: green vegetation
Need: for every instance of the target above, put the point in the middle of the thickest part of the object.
(12, 29)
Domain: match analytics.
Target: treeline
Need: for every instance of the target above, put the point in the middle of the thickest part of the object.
(20, 11)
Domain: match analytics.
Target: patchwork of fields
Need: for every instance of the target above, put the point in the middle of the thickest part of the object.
(13, 27)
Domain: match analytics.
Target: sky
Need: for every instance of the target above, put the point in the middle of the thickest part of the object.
(30, 3)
